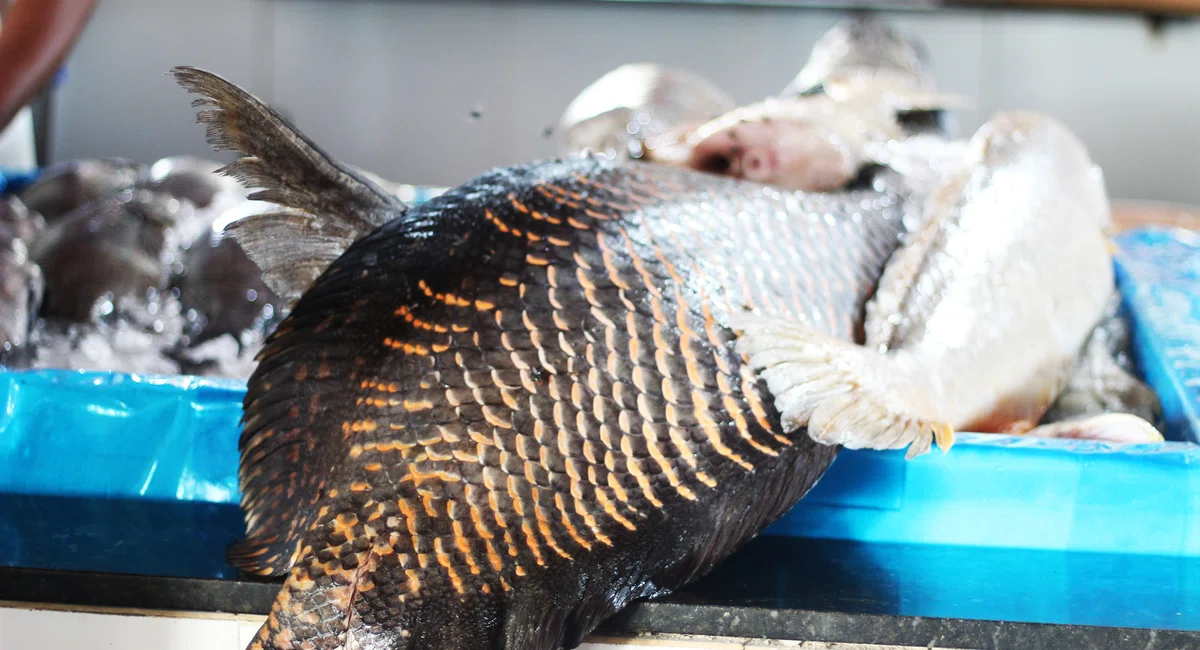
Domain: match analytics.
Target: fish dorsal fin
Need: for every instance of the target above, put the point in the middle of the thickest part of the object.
(327, 205)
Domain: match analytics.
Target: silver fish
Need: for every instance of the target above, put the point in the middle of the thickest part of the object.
(978, 320)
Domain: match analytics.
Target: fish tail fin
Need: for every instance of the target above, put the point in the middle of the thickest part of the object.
(844, 393)
(326, 205)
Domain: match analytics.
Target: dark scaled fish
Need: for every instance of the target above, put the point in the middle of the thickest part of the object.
(63, 187)
(497, 418)
(112, 246)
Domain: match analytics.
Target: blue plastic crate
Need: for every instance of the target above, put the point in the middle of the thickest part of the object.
(174, 439)
(1158, 271)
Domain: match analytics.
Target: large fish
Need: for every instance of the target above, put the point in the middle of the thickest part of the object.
(497, 418)
(979, 320)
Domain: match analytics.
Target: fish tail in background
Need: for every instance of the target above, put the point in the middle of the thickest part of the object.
(327, 205)
(844, 393)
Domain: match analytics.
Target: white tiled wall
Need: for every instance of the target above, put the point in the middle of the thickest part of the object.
(390, 85)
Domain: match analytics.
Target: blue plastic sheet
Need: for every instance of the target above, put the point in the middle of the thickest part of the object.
(117, 435)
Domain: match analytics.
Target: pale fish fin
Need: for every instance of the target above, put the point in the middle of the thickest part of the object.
(1123, 428)
(846, 394)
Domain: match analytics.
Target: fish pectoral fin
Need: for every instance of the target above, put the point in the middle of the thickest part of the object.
(1121, 428)
(844, 393)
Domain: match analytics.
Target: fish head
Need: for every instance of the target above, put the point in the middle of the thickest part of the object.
(812, 144)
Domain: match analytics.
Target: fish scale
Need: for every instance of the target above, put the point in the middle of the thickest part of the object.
(508, 412)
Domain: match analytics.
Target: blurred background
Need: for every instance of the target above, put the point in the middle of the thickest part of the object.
(437, 92)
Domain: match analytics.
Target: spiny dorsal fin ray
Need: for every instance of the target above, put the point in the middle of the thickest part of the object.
(330, 205)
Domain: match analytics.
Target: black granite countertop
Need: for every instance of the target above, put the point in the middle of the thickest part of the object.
(169, 556)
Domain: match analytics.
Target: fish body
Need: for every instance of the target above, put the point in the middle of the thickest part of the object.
(978, 319)
(618, 112)
(496, 418)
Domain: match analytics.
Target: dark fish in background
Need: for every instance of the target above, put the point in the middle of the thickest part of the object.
(618, 112)
(63, 187)
(21, 281)
(225, 289)
(499, 417)
(105, 249)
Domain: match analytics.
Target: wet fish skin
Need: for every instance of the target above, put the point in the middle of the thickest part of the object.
(978, 319)
(504, 414)
(814, 144)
